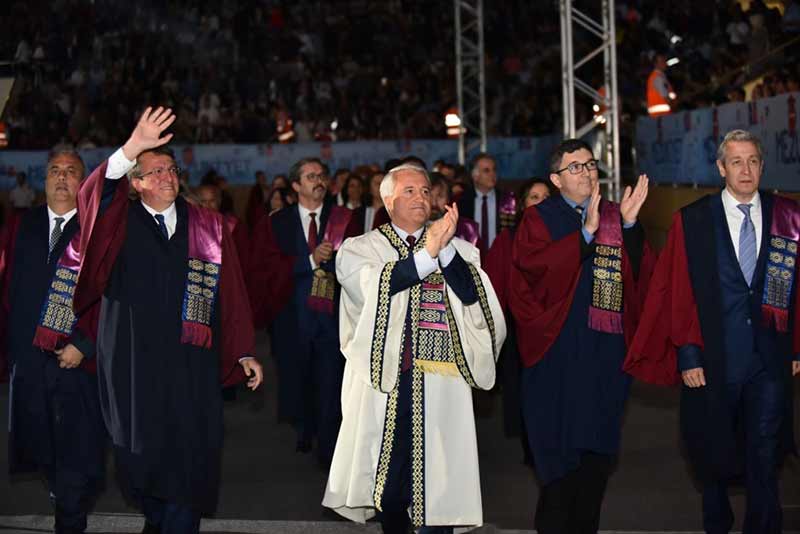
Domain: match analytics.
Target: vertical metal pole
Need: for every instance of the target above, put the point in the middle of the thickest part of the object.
(481, 75)
(459, 82)
(613, 94)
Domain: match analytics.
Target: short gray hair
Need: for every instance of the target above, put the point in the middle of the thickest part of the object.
(389, 181)
(739, 136)
(66, 150)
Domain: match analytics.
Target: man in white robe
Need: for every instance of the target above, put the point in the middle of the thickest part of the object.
(420, 326)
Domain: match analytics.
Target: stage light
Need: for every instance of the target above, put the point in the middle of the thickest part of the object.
(671, 62)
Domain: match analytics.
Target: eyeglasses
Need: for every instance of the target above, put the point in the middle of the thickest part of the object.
(577, 167)
(162, 172)
(315, 177)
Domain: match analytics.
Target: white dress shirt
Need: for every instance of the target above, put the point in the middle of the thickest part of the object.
(170, 217)
(491, 206)
(735, 218)
(52, 216)
(424, 262)
(305, 220)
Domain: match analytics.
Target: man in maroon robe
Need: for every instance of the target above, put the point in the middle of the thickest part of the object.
(174, 323)
(721, 318)
(580, 265)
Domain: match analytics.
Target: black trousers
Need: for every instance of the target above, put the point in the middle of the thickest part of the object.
(571, 505)
(757, 406)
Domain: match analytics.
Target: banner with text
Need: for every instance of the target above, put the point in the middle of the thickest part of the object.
(517, 157)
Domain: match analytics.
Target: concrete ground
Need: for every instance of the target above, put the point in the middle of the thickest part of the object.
(268, 487)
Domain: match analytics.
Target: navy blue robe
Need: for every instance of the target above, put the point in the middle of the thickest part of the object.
(161, 398)
(55, 421)
(573, 398)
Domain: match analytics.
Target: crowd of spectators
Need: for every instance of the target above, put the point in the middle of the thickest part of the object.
(260, 71)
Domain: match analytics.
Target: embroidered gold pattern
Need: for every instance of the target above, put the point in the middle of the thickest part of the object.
(484, 302)
(57, 312)
(607, 274)
(381, 326)
(417, 446)
(323, 284)
(202, 281)
(386, 449)
(781, 261)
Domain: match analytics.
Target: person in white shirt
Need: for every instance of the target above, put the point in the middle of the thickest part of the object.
(23, 195)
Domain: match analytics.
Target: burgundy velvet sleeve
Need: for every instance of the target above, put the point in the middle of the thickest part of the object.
(270, 279)
(255, 206)
(543, 281)
(102, 236)
(236, 320)
(497, 265)
(669, 319)
(635, 290)
(8, 241)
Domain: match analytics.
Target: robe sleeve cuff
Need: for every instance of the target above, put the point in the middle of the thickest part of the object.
(246, 357)
(459, 279)
(404, 275)
(689, 357)
(83, 344)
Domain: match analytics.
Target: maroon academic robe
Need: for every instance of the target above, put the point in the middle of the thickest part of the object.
(669, 318)
(102, 237)
(544, 276)
(269, 274)
(8, 239)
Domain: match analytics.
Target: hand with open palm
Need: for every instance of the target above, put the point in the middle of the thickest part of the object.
(148, 132)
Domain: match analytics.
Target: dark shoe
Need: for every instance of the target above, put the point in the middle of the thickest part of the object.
(303, 445)
(150, 528)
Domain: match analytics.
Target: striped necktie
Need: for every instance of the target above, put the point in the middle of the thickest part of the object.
(747, 244)
(55, 235)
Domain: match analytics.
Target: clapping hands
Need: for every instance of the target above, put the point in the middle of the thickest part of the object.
(442, 231)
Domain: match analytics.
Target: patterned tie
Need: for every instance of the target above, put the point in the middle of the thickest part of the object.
(747, 244)
(55, 235)
(312, 232)
(406, 364)
(162, 225)
(485, 223)
(579, 211)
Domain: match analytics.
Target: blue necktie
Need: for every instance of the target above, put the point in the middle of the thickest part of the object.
(747, 244)
(161, 225)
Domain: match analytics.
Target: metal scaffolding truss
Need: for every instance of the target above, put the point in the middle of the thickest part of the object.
(608, 149)
(470, 77)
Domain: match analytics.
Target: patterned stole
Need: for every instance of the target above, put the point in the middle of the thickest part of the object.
(323, 283)
(605, 311)
(781, 260)
(202, 276)
(508, 210)
(57, 320)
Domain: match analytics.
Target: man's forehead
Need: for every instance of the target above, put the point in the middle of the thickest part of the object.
(741, 148)
(409, 177)
(312, 167)
(581, 155)
(485, 163)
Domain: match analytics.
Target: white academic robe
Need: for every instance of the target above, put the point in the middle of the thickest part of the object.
(445, 473)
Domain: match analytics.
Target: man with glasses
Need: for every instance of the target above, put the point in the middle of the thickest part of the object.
(721, 319)
(580, 266)
(174, 323)
(305, 334)
(56, 426)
